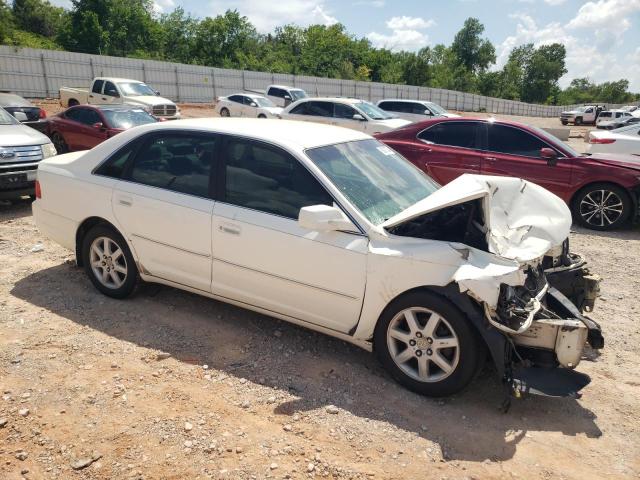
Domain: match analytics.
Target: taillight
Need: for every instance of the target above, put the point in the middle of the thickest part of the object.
(42, 113)
(38, 190)
(601, 140)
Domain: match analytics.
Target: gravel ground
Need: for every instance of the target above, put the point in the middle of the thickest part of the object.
(170, 385)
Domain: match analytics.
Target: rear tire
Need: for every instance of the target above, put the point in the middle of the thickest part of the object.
(225, 112)
(108, 262)
(427, 344)
(602, 206)
(563, 122)
(262, 115)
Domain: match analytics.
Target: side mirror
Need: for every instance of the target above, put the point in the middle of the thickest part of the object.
(157, 92)
(323, 218)
(359, 117)
(98, 126)
(253, 104)
(428, 112)
(287, 97)
(550, 155)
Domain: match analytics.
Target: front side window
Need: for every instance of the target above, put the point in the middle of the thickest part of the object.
(270, 180)
(453, 134)
(86, 116)
(264, 102)
(372, 111)
(513, 141)
(111, 90)
(297, 94)
(276, 92)
(373, 177)
(249, 101)
(343, 111)
(181, 163)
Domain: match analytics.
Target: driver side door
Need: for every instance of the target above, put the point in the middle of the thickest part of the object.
(511, 151)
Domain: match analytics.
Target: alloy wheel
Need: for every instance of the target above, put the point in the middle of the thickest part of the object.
(108, 262)
(423, 344)
(601, 208)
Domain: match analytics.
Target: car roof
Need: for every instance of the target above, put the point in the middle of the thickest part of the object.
(405, 100)
(117, 80)
(106, 108)
(285, 87)
(347, 100)
(13, 100)
(286, 133)
(250, 95)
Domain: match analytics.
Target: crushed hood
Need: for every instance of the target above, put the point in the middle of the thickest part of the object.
(523, 220)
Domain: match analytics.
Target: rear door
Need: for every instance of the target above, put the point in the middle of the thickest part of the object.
(313, 111)
(236, 105)
(164, 207)
(511, 151)
(450, 149)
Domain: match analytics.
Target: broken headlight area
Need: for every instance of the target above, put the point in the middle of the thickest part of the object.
(547, 335)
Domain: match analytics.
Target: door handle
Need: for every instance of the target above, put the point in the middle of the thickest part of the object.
(491, 159)
(125, 200)
(229, 228)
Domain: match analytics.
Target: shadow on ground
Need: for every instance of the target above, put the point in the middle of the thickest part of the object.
(317, 369)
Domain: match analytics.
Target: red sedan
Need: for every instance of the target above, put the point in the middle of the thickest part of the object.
(84, 126)
(601, 189)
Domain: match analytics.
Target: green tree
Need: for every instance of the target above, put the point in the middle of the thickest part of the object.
(6, 22)
(474, 53)
(544, 68)
(38, 16)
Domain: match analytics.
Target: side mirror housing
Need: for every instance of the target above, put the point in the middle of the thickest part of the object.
(287, 97)
(157, 92)
(428, 112)
(359, 117)
(98, 125)
(550, 155)
(323, 218)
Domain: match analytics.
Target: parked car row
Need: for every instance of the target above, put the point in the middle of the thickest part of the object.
(331, 229)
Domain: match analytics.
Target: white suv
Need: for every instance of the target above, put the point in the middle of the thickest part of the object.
(344, 112)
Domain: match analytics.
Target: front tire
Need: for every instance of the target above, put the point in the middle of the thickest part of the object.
(602, 206)
(108, 262)
(427, 344)
(225, 112)
(262, 115)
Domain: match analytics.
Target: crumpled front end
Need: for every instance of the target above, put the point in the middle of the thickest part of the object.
(520, 273)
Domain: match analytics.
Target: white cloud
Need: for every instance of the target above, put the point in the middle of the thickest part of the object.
(370, 3)
(585, 58)
(268, 15)
(554, 3)
(163, 6)
(405, 34)
(409, 23)
(399, 40)
(604, 14)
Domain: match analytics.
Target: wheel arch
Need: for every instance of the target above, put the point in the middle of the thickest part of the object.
(494, 340)
(574, 197)
(84, 227)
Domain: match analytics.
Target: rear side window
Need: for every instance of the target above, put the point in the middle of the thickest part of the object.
(97, 86)
(236, 98)
(454, 134)
(513, 141)
(270, 180)
(320, 109)
(181, 163)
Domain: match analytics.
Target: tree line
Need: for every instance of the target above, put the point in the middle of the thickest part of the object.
(132, 28)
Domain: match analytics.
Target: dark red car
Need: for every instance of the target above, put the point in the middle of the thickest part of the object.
(84, 126)
(601, 189)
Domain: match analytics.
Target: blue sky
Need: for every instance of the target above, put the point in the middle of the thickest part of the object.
(602, 37)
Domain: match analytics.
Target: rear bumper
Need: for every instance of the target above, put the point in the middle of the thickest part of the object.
(60, 229)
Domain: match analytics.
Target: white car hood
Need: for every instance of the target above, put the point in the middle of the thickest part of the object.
(524, 220)
(271, 110)
(151, 100)
(393, 122)
(20, 135)
(450, 115)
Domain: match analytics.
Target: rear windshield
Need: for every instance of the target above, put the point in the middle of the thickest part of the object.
(605, 115)
(127, 118)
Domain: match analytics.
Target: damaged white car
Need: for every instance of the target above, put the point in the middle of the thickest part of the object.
(328, 228)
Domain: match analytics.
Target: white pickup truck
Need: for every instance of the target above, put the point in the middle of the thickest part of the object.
(582, 115)
(109, 91)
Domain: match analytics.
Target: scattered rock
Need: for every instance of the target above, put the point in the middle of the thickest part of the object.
(21, 455)
(273, 466)
(239, 450)
(163, 356)
(38, 247)
(3, 422)
(245, 404)
(23, 412)
(332, 409)
(287, 427)
(84, 462)
(188, 427)
(311, 467)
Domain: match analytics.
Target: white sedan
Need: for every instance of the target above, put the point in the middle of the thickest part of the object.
(621, 140)
(246, 105)
(327, 228)
(344, 112)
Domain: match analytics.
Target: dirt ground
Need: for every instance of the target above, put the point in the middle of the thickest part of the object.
(170, 385)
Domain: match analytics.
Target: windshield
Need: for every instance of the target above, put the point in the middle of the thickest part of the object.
(633, 129)
(297, 94)
(435, 108)
(555, 141)
(135, 89)
(127, 118)
(263, 102)
(6, 118)
(579, 109)
(375, 179)
(372, 111)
